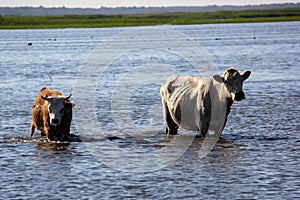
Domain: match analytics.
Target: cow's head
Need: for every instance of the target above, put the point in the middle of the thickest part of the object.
(56, 107)
(233, 81)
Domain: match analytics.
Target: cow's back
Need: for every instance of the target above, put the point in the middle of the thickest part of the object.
(182, 94)
(45, 92)
(181, 88)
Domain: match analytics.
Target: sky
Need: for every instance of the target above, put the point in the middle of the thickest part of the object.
(130, 3)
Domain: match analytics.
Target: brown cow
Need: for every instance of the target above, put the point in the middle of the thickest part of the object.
(201, 104)
(52, 114)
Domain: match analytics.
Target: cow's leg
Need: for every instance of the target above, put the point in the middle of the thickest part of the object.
(47, 130)
(32, 127)
(204, 122)
(171, 126)
(50, 135)
(204, 127)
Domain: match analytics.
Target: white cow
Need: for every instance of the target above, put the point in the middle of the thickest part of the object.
(203, 104)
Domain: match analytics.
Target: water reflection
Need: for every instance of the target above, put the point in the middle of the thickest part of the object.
(61, 146)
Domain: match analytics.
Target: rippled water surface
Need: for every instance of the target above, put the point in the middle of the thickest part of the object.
(258, 156)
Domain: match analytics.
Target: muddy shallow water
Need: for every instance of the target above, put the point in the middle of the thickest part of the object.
(257, 157)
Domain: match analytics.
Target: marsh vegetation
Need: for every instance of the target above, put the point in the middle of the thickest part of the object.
(98, 21)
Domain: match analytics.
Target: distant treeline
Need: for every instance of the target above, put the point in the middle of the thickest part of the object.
(95, 21)
(42, 11)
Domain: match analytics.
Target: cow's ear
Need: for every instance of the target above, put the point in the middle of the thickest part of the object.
(45, 98)
(73, 104)
(246, 74)
(70, 103)
(218, 78)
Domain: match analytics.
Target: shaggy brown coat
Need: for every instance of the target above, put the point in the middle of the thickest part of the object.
(41, 119)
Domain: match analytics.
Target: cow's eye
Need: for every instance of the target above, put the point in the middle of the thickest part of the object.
(62, 110)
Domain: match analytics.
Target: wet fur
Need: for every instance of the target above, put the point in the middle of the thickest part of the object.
(41, 119)
(171, 103)
(184, 90)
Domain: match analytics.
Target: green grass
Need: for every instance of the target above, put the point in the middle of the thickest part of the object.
(95, 21)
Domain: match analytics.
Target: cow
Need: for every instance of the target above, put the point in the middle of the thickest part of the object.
(201, 104)
(52, 114)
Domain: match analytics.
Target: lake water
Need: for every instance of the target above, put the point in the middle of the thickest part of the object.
(129, 156)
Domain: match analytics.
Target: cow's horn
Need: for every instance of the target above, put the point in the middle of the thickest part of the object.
(67, 98)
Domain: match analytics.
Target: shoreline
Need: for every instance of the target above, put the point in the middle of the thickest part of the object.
(125, 20)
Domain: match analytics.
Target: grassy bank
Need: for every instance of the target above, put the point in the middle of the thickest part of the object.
(94, 21)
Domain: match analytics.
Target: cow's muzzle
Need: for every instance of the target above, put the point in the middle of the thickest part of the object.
(54, 121)
(239, 96)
